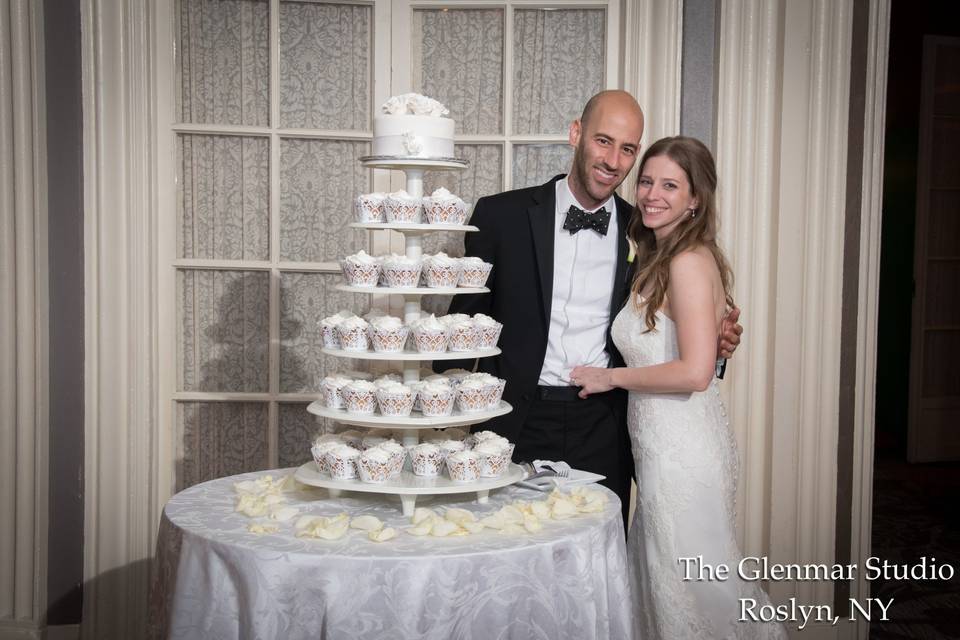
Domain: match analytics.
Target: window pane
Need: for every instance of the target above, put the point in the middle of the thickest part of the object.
(558, 59)
(220, 439)
(319, 180)
(325, 70)
(457, 59)
(225, 197)
(534, 164)
(305, 300)
(225, 61)
(298, 428)
(223, 332)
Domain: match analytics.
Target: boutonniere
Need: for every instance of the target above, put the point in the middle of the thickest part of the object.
(633, 251)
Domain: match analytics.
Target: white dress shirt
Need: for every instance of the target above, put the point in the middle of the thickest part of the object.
(584, 266)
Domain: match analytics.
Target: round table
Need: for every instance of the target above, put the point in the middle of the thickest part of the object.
(214, 579)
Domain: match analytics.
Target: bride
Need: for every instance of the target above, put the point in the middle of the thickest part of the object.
(683, 448)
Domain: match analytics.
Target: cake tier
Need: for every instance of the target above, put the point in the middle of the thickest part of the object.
(414, 356)
(415, 420)
(407, 483)
(412, 136)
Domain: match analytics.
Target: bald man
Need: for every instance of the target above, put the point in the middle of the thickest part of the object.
(560, 275)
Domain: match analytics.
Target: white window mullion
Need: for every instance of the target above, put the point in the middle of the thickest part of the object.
(273, 426)
(507, 177)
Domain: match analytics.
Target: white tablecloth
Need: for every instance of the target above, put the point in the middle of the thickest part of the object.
(214, 579)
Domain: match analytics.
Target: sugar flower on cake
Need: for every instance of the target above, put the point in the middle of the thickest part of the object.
(414, 104)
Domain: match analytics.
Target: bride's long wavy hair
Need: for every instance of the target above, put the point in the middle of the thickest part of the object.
(700, 229)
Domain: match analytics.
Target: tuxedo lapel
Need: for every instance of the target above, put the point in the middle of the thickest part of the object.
(620, 284)
(542, 213)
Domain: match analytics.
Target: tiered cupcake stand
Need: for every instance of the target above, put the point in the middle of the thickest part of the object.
(407, 485)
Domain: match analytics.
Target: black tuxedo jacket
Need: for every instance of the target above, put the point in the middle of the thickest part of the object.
(516, 234)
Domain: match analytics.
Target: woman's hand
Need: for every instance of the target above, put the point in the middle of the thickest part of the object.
(591, 380)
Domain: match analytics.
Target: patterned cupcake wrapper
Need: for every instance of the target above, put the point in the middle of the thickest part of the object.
(468, 471)
(331, 340)
(464, 340)
(492, 466)
(402, 276)
(430, 342)
(475, 276)
(389, 341)
(369, 209)
(436, 407)
(473, 400)
(341, 468)
(427, 465)
(360, 275)
(354, 339)
(442, 276)
(359, 403)
(396, 406)
(332, 398)
(451, 212)
(488, 336)
(404, 212)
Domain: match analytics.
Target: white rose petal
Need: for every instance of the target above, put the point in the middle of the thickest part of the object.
(382, 535)
(261, 529)
(473, 527)
(283, 514)
(459, 516)
(532, 524)
(443, 528)
(366, 523)
(421, 529)
(422, 513)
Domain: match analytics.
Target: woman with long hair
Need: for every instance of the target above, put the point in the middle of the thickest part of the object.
(683, 448)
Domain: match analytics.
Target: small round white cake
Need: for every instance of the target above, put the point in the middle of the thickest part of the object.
(413, 126)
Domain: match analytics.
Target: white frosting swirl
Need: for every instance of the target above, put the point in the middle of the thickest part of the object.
(362, 257)
(361, 386)
(414, 104)
(355, 322)
(386, 323)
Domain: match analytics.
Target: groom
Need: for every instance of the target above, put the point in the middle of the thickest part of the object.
(560, 275)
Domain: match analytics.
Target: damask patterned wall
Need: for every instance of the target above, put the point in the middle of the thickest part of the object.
(232, 281)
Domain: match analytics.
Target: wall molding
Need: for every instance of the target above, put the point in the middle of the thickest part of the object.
(780, 145)
(24, 321)
(120, 314)
(652, 35)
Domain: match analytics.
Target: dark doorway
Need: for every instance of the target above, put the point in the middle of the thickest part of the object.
(914, 512)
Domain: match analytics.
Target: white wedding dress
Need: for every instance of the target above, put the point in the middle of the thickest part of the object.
(686, 463)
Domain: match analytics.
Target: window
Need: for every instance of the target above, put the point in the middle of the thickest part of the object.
(274, 101)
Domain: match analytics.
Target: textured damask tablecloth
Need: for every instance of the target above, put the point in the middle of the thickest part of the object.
(214, 579)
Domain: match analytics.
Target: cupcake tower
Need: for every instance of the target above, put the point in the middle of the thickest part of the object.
(407, 405)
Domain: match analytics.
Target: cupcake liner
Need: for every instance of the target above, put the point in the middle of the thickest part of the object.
(331, 395)
(497, 394)
(373, 470)
(331, 340)
(445, 211)
(403, 211)
(360, 275)
(472, 400)
(354, 339)
(342, 468)
(475, 276)
(463, 470)
(492, 464)
(369, 208)
(430, 341)
(402, 276)
(463, 339)
(426, 464)
(398, 405)
(487, 336)
(437, 405)
(389, 341)
(442, 276)
(359, 402)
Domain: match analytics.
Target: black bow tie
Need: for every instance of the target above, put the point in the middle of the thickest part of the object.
(578, 219)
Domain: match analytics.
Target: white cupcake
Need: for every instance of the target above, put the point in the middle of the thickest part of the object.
(395, 400)
(397, 455)
(401, 271)
(330, 391)
(488, 331)
(388, 334)
(374, 313)
(359, 397)
(456, 376)
(463, 336)
(442, 271)
(463, 466)
(493, 459)
(374, 465)
(328, 328)
(426, 459)
(320, 449)
(342, 462)
(436, 400)
(451, 446)
(352, 437)
(354, 334)
(472, 396)
(361, 269)
(401, 207)
(475, 272)
(492, 387)
(369, 207)
(442, 207)
(439, 378)
(430, 336)
(453, 318)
